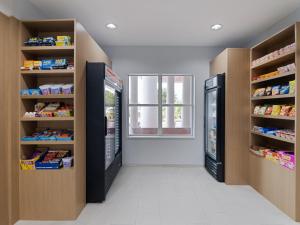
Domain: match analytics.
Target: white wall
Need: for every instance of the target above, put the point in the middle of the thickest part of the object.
(279, 25)
(21, 9)
(192, 60)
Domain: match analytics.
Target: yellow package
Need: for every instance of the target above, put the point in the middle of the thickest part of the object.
(27, 65)
(63, 41)
(37, 65)
(276, 110)
(292, 85)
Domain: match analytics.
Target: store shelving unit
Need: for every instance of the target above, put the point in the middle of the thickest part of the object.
(54, 194)
(278, 184)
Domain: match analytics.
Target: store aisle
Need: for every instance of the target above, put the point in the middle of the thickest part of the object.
(176, 196)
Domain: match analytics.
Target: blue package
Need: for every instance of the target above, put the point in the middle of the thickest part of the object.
(47, 64)
(285, 89)
(25, 92)
(29, 138)
(35, 92)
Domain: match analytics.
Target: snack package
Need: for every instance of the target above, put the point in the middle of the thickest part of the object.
(287, 159)
(39, 106)
(276, 110)
(269, 110)
(292, 112)
(45, 89)
(259, 92)
(35, 91)
(68, 162)
(256, 110)
(292, 85)
(268, 91)
(262, 110)
(63, 41)
(276, 90)
(68, 88)
(48, 41)
(56, 89)
(284, 89)
(285, 110)
(47, 64)
(60, 64)
(37, 65)
(25, 92)
(27, 65)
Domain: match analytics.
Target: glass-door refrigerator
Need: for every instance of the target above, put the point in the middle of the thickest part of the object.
(104, 130)
(214, 125)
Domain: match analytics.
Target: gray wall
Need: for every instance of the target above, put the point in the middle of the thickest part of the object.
(192, 60)
(21, 9)
(289, 20)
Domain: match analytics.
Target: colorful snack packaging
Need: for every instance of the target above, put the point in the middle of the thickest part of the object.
(292, 85)
(27, 65)
(259, 92)
(284, 89)
(262, 110)
(276, 110)
(292, 112)
(285, 110)
(276, 90)
(256, 110)
(287, 159)
(269, 110)
(268, 91)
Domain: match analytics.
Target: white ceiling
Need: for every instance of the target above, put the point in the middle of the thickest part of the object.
(171, 22)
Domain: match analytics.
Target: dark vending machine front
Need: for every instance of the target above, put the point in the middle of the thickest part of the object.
(215, 126)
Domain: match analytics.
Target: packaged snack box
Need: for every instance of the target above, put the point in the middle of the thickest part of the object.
(60, 64)
(259, 92)
(272, 156)
(27, 65)
(28, 161)
(276, 90)
(268, 91)
(262, 110)
(269, 110)
(292, 113)
(284, 89)
(47, 64)
(287, 159)
(292, 85)
(285, 110)
(256, 110)
(276, 110)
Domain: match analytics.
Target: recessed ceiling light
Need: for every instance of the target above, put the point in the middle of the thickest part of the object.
(216, 26)
(111, 26)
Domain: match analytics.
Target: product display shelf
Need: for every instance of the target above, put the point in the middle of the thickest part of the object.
(273, 97)
(47, 119)
(47, 142)
(273, 137)
(58, 206)
(274, 117)
(59, 96)
(273, 78)
(61, 72)
(277, 61)
(279, 185)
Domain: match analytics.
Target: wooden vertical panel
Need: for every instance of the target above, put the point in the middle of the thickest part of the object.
(234, 62)
(4, 200)
(237, 116)
(297, 121)
(86, 50)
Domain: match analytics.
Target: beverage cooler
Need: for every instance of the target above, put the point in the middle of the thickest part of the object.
(215, 126)
(104, 130)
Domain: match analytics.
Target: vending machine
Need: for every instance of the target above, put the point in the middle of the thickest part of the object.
(103, 130)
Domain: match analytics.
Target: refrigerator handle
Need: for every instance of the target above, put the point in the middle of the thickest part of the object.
(105, 126)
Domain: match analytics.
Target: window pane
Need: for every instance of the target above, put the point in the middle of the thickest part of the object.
(177, 120)
(143, 120)
(143, 89)
(177, 89)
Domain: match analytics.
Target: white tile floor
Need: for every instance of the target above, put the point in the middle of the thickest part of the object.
(176, 196)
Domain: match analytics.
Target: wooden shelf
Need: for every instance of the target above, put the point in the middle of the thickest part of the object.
(50, 171)
(61, 96)
(273, 117)
(273, 137)
(273, 97)
(63, 72)
(48, 50)
(276, 61)
(47, 119)
(273, 78)
(47, 142)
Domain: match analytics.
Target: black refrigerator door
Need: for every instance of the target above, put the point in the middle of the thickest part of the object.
(214, 125)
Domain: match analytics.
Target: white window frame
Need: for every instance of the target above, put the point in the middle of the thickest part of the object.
(160, 105)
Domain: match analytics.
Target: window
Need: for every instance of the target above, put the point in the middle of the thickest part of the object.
(161, 105)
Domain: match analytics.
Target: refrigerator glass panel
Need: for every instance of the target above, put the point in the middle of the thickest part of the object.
(117, 124)
(211, 132)
(110, 114)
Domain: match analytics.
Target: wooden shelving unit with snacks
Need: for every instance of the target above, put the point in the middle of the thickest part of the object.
(54, 194)
(277, 183)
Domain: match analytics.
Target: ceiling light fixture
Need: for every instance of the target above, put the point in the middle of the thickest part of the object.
(216, 26)
(111, 26)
